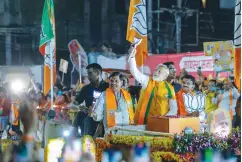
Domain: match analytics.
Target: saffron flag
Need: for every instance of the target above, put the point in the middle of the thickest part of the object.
(137, 29)
(237, 45)
(47, 45)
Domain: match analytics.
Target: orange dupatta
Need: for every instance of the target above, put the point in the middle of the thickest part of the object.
(180, 104)
(111, 106)
(15, 112)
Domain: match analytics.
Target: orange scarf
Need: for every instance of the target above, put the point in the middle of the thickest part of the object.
(180, 104)
(111, 106)
(153, 101)
(15, 112)
(143, 102)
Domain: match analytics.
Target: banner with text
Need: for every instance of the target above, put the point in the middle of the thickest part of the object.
(222, 52)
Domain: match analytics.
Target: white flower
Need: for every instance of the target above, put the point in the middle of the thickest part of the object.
(194, 102)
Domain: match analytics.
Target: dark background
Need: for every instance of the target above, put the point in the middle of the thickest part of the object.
(106, 21)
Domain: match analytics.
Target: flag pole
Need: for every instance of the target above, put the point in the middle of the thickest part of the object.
(51, 80)
(80, 67)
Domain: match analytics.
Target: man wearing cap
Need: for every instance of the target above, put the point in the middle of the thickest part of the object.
(157, 96)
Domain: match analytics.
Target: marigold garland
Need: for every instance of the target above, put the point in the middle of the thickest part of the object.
(6, 142)
(166, 156)
(160, 156)
(101, 145)
(162, 143)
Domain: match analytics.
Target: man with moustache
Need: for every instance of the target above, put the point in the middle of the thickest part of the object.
(157, 97)
(114, 106)
(172, 76)
(188, 84)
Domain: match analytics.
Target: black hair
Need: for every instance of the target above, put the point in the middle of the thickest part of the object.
(65, 98)
(59, 86)
(168, 64)
(220, 86)
(113, 74)
(196, 88)
(125, 77)
(105, 44)
(189, 77)
(95, 66)
(213, 80)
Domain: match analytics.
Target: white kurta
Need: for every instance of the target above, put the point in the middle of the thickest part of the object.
(225, 101)
(144, 80)
(121, 115)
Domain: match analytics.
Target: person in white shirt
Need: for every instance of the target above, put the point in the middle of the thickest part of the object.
(228, 99)
(217, 66)
(114, 106)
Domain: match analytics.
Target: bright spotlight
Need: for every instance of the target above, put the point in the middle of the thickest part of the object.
(17, 86)
(66, 133)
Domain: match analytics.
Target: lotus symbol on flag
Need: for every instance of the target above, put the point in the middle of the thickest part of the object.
(139, 19)
(49, 49)
(194, 102)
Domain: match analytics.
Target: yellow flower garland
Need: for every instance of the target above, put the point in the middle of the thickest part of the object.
(5, 143)
(167, 156)
(101, 145)
(155, 142)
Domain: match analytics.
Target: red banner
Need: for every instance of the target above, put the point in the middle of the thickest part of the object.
(188, 61)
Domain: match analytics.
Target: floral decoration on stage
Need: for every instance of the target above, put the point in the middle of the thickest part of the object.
(161, 143)
(170, 156)
(193, 143)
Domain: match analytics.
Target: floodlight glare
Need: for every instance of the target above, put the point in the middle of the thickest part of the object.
(17, 86)
(66, 133)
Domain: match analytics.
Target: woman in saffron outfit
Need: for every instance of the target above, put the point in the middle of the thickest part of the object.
(157, 95)
(114, 106)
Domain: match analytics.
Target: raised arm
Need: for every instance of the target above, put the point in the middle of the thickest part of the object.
(141, 78)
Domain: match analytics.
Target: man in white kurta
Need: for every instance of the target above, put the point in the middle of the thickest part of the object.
(122, 114)
(228, 99)
(157, 96)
